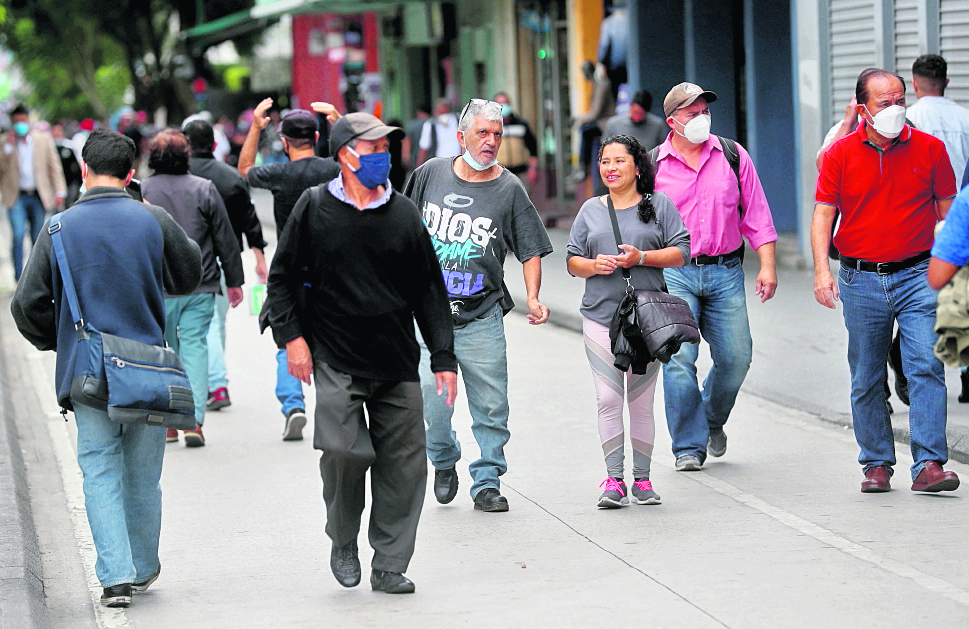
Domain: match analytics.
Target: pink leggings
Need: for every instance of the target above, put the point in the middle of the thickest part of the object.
(609, 395)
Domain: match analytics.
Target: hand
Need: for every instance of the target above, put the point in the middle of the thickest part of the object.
(235, 295)
(332, 115)
(825, 288)
(537, 312)
(59, 201)
(299, 360)
(447, 380)
(261, 271)
(766, 284)
(532, 175)
(604, 265)
(259, 119)
(12, 137)
(851, 112)
(630, 258)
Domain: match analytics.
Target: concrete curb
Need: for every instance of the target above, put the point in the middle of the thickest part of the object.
(22, 599)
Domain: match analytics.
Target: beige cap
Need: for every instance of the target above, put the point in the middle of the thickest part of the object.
(684, 94)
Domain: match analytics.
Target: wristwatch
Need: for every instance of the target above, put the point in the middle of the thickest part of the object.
(642, 259)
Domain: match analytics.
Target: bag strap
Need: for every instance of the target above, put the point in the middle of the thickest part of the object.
(54, 229)
(615, 231)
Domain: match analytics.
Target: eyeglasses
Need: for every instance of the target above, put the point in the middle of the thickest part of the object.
(479, 102)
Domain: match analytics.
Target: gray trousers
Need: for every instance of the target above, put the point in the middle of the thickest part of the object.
(390, 442)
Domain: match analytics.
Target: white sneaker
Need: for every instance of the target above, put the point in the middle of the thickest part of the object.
(688, 463)
(294, 425)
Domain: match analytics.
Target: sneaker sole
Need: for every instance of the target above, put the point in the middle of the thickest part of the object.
(688, 467)
(171, 439)
(193, 441)
(116, 601)
(498, 508)
(294, 428)
(216, 406)
(141, 587)
(609, 503)
(950, 484)
(648, 501)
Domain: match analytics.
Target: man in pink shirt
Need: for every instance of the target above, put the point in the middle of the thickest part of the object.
(692, 167)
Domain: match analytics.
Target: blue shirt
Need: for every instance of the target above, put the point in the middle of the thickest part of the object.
(336, 189)
(952, 243)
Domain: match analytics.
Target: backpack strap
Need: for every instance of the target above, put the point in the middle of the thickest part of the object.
(733, 158)
(653, 154)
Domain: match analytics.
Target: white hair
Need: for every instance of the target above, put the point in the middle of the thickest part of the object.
(490, 110)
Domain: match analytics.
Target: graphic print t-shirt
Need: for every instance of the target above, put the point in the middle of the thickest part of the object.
(473, 225)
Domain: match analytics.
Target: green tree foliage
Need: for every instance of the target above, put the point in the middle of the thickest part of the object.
(101, 44)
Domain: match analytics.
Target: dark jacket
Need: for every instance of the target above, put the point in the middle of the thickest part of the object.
(235, 195)
(195, 204)
(123, 255)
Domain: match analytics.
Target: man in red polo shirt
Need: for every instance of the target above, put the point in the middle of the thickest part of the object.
(892, 183)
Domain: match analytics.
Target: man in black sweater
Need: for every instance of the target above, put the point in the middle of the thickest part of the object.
(353, 270)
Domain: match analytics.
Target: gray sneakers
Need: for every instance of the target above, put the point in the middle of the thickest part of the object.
(615, 494)
(688, 463)
(642, 493)
(717, 444)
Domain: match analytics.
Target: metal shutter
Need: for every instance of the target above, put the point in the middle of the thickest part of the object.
(906, 38)
(954, 46)
(851, 26)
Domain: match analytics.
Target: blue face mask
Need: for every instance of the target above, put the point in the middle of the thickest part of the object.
(21, 128)
(373, 170)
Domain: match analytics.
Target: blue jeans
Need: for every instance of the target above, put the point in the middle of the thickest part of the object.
(26, 208)
(289, 390)
(218, 377)
(872, 303)
(186, 328)
(480, 349)
(122, 466)
(715, 293)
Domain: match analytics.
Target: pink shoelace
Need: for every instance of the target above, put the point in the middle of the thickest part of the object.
(611, 484)
(644, 485)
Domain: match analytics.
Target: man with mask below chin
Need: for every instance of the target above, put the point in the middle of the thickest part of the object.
(892, 183)
(476, 211)
(372, 272)
(719, 211)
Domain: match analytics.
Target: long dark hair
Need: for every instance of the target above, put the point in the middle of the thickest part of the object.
(646, 180)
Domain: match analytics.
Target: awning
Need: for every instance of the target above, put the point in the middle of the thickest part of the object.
(263, 15)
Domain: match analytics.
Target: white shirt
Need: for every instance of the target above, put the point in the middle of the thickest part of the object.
(25, 153)
(943, 118)
(447, 137)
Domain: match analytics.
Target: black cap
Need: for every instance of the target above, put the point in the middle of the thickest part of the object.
(359, 125)
(299, 123)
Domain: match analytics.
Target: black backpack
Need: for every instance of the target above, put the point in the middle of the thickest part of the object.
(733, 158)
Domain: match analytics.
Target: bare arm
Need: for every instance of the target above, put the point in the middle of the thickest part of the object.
(942, 208)
(940, 272)
(247, 156)
(532, 270)
(825, 287)
(848, 124)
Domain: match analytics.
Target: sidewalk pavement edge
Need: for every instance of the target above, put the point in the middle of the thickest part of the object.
(22, 599)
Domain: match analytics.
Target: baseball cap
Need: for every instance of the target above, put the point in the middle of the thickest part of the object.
(299, 123)
(359, 125)
(684, 94)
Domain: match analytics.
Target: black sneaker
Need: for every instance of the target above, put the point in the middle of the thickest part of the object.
(390, 582)
(141, 586)
(117, 595)
(445, 485)
(345, 564)
(489, 499)
(295, 420)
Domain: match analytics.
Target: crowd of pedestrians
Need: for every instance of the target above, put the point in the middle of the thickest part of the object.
(381, 297)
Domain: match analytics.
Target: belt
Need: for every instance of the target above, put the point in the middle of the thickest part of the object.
(28, 193)
(884, 268)
(704, 260)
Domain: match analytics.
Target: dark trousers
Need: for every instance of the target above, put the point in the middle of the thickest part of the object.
(389, 442)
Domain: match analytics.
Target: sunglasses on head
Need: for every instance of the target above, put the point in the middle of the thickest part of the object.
(477, 101)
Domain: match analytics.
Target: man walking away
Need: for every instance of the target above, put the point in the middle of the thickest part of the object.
(287, 181)
(234, 191)
(370, 271)
(476, 211)
(124, 256)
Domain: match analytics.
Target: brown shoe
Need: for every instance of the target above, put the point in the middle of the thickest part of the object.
(876, 480)
(171, 435)
(194, 438)
(932, 478)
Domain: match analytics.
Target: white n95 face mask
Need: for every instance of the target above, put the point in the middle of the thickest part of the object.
(889, 122)
(697, 130)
